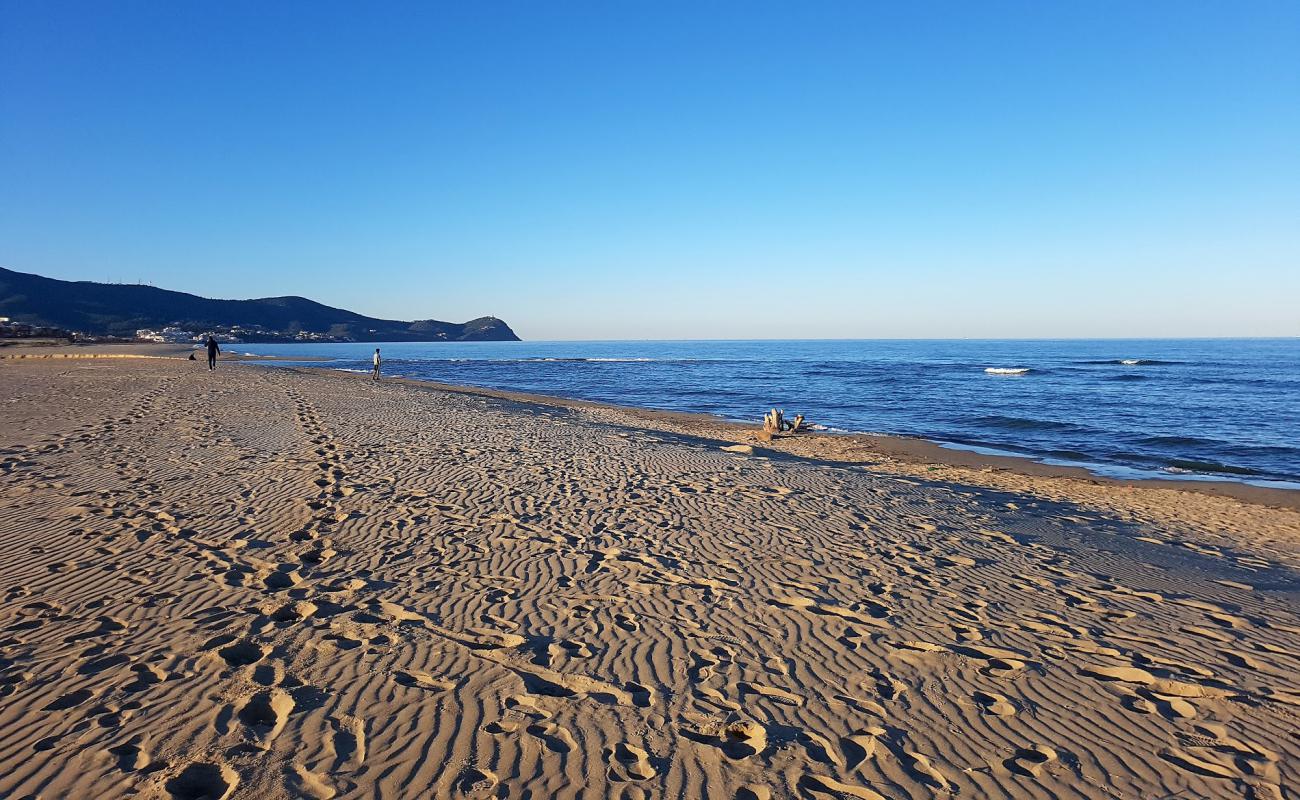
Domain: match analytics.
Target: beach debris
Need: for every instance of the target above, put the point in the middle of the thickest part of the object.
(774, 422)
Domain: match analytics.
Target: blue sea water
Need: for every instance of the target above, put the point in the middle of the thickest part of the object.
(1192, 408)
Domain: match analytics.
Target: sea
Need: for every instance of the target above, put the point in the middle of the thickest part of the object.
(1207, 409)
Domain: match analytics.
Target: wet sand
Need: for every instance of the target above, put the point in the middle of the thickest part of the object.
(297, 583)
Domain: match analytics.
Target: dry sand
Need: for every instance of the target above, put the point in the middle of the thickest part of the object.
(264, 583)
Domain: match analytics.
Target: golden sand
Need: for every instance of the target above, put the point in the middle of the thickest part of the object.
(262, 583)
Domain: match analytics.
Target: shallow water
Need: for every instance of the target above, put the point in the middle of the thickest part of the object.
(1213, 408)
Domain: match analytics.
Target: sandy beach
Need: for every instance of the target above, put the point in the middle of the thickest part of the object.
(267, 583)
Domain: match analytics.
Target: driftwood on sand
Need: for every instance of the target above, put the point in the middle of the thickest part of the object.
(774, 422)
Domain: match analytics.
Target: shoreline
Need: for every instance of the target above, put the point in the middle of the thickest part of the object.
(832, 447)
(863, 448)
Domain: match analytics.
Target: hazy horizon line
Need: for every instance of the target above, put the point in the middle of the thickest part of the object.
(849, 339)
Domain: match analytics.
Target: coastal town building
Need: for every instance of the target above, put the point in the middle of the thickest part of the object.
(169, 335)
(22, 330)
(173, 334)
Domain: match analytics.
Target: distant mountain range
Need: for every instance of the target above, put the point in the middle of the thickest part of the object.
(116, 309)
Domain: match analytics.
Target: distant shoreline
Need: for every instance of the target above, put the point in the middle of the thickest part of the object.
(18, 349)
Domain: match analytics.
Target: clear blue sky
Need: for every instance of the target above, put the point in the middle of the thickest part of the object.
(662, 170)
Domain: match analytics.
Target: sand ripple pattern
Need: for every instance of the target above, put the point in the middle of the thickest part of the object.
(276, 584)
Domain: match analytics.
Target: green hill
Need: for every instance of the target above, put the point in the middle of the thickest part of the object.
(116, 309)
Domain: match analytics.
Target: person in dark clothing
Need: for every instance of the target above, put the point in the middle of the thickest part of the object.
(213, 349)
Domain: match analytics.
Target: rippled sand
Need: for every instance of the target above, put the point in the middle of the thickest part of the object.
(260, 583)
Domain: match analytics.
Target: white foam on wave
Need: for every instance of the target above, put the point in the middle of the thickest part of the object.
(577, 360)
(1131, 362)
(1006, 370)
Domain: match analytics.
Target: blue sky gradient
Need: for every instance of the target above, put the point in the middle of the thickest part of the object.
(662, 170)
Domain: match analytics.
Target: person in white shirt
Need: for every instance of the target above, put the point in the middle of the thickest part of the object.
(375, 375)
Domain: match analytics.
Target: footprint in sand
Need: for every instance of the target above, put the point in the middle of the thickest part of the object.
(995, 704)
(1174, 707)
(702, 666)
(1002, 656)
(284, 577)
(628, 763)
(109, 625)
(642, 696)
(320, 554)
(1137, 703)
(295, 611)
(48, 743)
(265, 713)
(203, 781)
(349, 742)
(860, 746)
(70, 700)
(576, 649)
(743, 738)
(556, 737)
(503, 727)
(1030, 761)
(929, 774)
(241, 654)
(344, 641)
(10, 682)
(97, 665)
(821, 787)
(887, 686)
(423, 680)
(302, 782)
(146, 675)
(476, 783)
(131, 755)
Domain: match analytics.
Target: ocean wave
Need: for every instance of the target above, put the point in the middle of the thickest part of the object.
(1178, 441)
(1187, 465)
(1131, 362)
(1023, 423)
(549, 360)
(1128, 376)
(1072, 455)
(592, 360)
(1007, 370)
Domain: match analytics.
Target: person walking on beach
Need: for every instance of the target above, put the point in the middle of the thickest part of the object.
(213, 349)
(375, 375)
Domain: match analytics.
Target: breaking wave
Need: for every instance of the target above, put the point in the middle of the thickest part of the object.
(1131, 362)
